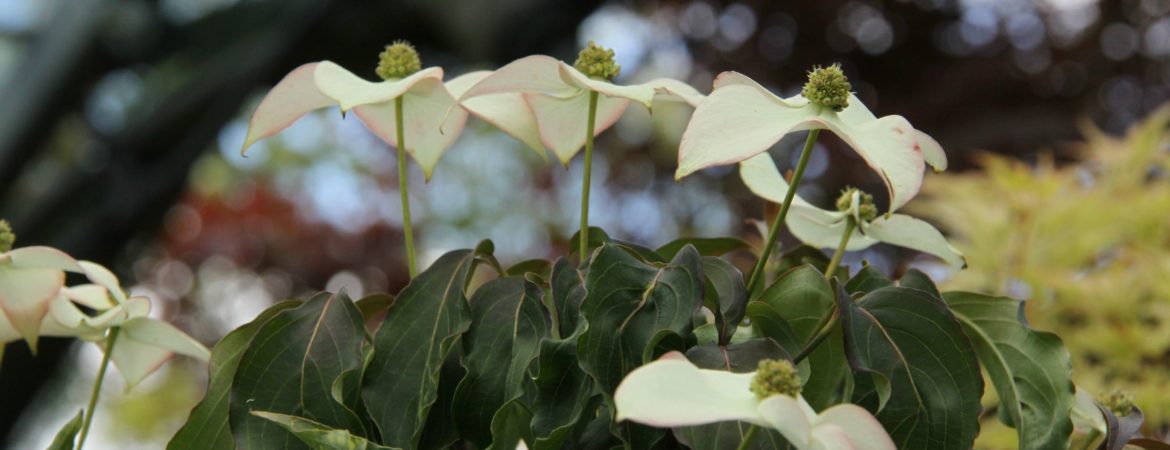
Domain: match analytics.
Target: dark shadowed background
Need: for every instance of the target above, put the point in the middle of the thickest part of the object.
(121, 121)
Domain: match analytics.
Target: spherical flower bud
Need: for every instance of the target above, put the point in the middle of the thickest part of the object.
(596, 61)
(828, 87)
(399, 60)
(1118, 401)
(866, 208)
(7, 237)
(776, 377)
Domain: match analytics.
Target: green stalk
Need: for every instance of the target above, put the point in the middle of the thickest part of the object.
(97, 386)
(747, 438)
(583, 236)
(407, 228)
(830, 320)
(758, 271)
(832, 267)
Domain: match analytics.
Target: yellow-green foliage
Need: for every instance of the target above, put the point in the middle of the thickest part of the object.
(1086, 244)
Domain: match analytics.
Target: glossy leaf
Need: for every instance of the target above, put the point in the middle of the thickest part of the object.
(568, 290)
(508, 322)
(291, 367)
(319, 436)
(563, 394)
(705, 246)
(924, 370)
(915, 279)
(1030, 369)
(509, 426)
(538, 266)
(421, 327)
(803, 299)
(743, 357)
(868, 279)
(725, 295)
(207, 427)
(630, 307)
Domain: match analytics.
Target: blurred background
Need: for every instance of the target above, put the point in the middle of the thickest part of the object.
(121, 122)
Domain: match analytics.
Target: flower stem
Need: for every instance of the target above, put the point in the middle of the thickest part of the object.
(833, 263)
(748, 437)
(97, 386)
(758, 271)
(583, 236)
(407, 228)
(829, 321)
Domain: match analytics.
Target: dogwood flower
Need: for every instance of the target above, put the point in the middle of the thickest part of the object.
(558, 97)
(741, 119)
(673, 392)
(822, 228)
(427, 104)
(34, 276)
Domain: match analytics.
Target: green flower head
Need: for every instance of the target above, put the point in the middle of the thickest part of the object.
(828, 87)
(596, 61)
(7, 238)
(399, 60)
(1118, 401)
(775, 377)
(866, 209)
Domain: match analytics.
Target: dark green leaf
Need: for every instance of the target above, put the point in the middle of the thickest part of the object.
(373, 305)
(508, 322)
(1030, 369)
(643, 253)
(725, 295)
(563, 394)
(319, 436)
(769, 323)
(207, 427)
(915, 279)
(291, 366)
(868, 279)
(630, 307)
(67, 435)
(537, 266)
(568, 291)
(803, 299)
(597, 236)
(439, 431)
(917, 356)
(427, 318)
(510, 426)
(627, 304)
(743, 357)
(705, 246)
(802, 255)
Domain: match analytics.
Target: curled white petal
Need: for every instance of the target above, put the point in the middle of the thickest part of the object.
(672, 392)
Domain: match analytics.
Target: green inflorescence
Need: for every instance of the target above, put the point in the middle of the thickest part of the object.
(776, 377)
(828, 87)
(867, 210)
(7, 237)
(596, 61)
(399, 60)
(1118, 401)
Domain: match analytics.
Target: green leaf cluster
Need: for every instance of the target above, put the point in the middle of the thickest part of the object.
(535, 354)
